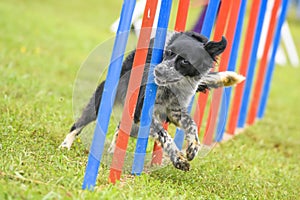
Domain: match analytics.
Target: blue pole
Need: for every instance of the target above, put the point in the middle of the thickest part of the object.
(151, 88)
(209, 20)
(252, 64)
(210, 17)
(271, 66)
(108, 96)
(231, 67)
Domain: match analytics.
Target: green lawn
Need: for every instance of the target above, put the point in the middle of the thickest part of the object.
(42, 45)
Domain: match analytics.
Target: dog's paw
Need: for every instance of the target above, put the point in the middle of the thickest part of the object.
(192, 150)
(68, 141)
(181, 162)
(229, 78)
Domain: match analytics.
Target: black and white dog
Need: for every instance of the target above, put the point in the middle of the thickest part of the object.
(185, 70)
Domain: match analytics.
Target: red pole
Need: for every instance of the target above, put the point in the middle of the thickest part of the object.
(219, 31)
(182, 14)
(263, 65)
(217, 94)
(235, 109)
(133, 91)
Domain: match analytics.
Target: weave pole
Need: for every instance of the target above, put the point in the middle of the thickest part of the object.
(151, 88)
(180, 23)
(271, 66)
(132, 91)
(219, 31)
(217, 93)
(255, 22)
(182, 13)
(257, 92)
(209, 20)
(108, 96)
(181, 18)
(251, 68)
(231, 67)
(179, 135)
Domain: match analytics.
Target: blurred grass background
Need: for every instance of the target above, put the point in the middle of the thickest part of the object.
(43, 44)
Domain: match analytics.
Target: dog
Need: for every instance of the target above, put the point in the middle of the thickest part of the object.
(185, 69)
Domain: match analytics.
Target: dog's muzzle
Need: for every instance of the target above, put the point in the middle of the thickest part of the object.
(163, 75)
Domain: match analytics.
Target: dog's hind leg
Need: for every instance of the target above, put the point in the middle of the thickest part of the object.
(88, 115)
(162, 136)
(112, 146)
(90, 112)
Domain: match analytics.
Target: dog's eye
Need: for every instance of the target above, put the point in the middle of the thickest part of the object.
(184, 62)
(185, 68)
(169, 53)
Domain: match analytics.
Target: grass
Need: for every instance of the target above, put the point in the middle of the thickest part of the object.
(43, 43)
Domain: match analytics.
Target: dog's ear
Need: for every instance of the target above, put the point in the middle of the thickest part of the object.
(197, 36)
(216, 48)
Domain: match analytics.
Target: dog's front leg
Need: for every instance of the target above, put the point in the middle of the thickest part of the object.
(168, 145)
(184, 120)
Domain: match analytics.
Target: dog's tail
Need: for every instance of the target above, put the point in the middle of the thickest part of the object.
(219, 79)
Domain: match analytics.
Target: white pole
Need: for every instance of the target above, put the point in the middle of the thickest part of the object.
(280, 57)
(289, 45)
(265, 28)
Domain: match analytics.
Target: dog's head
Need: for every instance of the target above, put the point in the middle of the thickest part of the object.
(188, 57)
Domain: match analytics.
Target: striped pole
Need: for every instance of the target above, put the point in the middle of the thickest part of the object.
(231, 67)
(271, 66)
(108, 96)
(151, 88)
(263, 66)
(132, 91)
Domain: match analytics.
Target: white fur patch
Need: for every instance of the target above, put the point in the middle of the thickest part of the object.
(68, 141)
